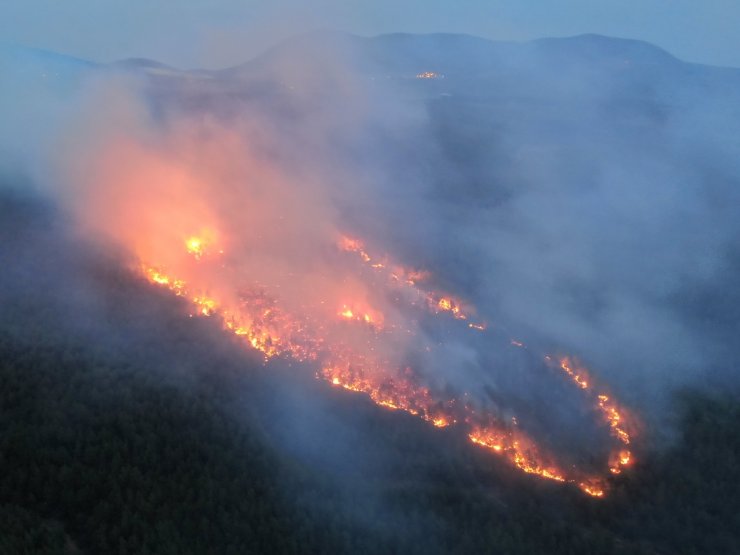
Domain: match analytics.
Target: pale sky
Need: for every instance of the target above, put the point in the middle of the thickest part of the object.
(219, 33)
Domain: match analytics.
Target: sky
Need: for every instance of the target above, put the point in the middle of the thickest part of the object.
(219, 33)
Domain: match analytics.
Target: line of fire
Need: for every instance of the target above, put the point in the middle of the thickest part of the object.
(318, 334)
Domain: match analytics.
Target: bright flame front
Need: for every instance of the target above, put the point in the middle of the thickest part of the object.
(349, 344)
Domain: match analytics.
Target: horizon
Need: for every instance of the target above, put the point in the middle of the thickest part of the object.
(211, 35)
(290, 38)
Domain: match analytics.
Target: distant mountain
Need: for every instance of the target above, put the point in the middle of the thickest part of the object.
(600, 48)
(460, 59)
(456, 53)
(471, 67)
(16, 54)
(140, 63)
(22, 67)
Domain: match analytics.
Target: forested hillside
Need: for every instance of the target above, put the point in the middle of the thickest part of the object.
(128, 427)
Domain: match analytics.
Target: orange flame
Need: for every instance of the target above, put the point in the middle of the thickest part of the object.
(259, 320)
(157, 198)
(194, 246)
(612, 414)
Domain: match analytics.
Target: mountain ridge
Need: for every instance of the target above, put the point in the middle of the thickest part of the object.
(601, 45)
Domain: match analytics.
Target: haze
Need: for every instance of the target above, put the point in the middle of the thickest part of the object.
(213, 34)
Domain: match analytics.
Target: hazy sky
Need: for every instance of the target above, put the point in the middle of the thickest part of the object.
(217, 33)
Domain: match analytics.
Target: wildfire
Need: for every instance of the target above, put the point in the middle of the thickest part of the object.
(357, 316)
(194, 246)
(580, 380)
(612, 414)
(618, 460)
(592, 489)
(448, 304)
(354, 245)
(206, 306)
(518, 449)
(201, 245)
(440, 422)
(175, 285)
(406, 278)
(368, 316)
(257, 318)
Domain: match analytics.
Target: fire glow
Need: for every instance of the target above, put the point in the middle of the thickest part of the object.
(258, 319)
(224, 227)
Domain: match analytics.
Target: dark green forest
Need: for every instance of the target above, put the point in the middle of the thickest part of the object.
(127, 427)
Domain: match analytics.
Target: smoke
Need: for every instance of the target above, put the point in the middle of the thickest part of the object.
(577, 197)
(584, 196)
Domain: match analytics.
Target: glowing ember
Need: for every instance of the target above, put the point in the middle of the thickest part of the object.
(440, 422)
(618, 460)
(566, 366)
(368, 316)
(206, 306)
(428, 75)
(159, 278)
(447, 304)
(592, 489)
